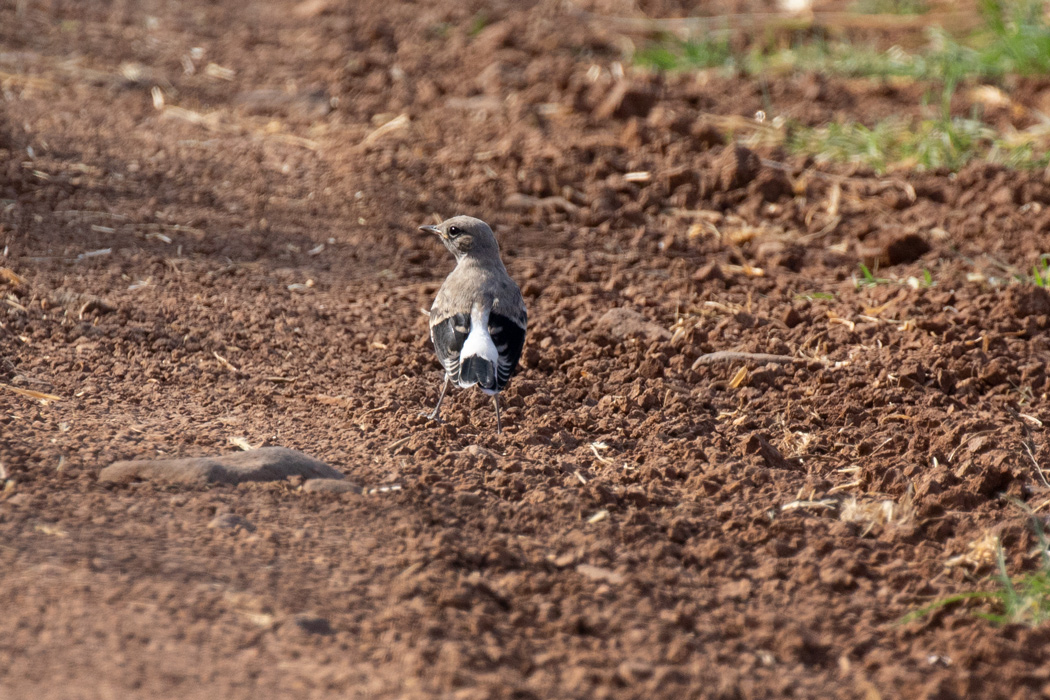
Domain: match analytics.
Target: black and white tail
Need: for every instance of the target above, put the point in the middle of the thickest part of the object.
(479, 357)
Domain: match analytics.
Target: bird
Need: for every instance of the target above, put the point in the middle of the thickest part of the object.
(478, 319)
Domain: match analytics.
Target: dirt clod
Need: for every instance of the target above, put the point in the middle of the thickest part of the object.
(736, 167)
(906, 249)
(627, 323)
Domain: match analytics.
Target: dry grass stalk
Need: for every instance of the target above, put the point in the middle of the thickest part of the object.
(979, 553)
(823, 504)
(879, 514)
(398, 122)
(595, 446)
(241, 443)
(795, 443)
(10, 276)
(38, 395)
(225, 363)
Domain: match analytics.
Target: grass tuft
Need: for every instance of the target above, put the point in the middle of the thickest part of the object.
(1041, 272)
(669, 54)
(944, 142)
(814, 296)
(868, 278)
(1023, 600)
(478, 23)
(891, 7)
(1014, 39)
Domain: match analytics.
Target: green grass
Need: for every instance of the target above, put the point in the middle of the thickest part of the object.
(1021, 600)
(671, 54)
(1014, 39)
(891, 7)
(868, 278)
(943, 142)
(1041, 272)
(478, 23)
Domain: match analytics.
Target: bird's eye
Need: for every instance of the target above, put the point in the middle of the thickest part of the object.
(454, 231)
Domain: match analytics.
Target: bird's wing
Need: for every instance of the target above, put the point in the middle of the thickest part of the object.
(448, 336)
(509, 337)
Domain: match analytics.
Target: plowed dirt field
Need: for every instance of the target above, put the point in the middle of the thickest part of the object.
(208, 215)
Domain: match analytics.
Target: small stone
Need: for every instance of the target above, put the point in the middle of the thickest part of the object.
(330, 486)
(312, 624)
(565, 560)
(1004, 196)
(312, 8)
(263, 464)
(468, 499)
(599, 573)
(737, 590)
(634, 671)
(230, 521)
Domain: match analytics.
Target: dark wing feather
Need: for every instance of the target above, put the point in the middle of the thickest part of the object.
(509, 338)
(448, 337)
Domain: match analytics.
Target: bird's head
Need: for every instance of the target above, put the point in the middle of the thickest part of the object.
(466, 237)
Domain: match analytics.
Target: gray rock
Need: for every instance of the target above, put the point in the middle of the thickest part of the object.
(230, 521)
(331, 486)
(263, 464)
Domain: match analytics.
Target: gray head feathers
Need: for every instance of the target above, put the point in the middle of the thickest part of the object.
(467, 237)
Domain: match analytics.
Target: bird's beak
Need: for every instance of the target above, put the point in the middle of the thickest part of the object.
(430, 229)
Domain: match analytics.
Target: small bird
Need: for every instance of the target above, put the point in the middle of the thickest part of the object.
(478, 319)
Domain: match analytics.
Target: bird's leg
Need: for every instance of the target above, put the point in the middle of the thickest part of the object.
(436, 413)
(495, 400)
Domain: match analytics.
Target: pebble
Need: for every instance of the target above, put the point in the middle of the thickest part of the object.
(230, 521)
(312, 624)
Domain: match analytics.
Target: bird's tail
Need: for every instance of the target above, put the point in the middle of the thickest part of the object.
(477, 370)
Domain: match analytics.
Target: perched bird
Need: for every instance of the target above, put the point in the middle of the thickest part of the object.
(478, 320)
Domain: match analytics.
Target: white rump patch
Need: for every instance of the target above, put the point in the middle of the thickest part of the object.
(479, 342)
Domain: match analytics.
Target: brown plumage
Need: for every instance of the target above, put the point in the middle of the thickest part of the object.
(478, 319)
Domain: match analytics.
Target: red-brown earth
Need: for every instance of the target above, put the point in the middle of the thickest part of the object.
(648, 525)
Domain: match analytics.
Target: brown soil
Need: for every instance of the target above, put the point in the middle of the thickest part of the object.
(647, 526)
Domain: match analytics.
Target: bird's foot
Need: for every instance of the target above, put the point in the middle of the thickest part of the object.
(432, 415)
